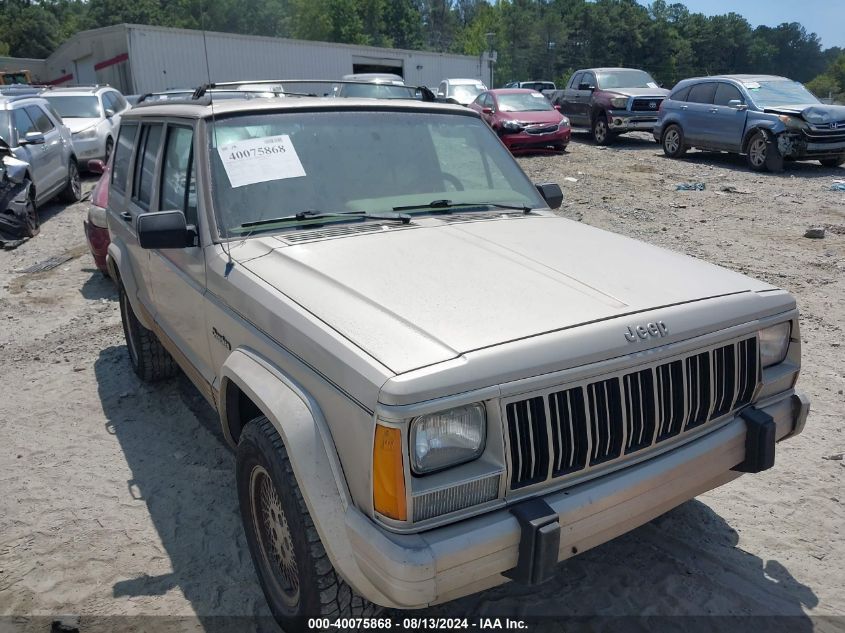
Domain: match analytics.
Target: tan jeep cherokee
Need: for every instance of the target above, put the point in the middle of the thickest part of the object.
(432, 382)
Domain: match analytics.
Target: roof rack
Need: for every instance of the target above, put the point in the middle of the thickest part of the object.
(427, 94)
(92, 88)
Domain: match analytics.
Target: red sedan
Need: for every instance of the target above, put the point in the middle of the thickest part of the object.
(96, 229)
(524, 120)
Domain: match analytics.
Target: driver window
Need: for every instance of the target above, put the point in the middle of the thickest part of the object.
(576, 81)
(589, 79)
(178, 186)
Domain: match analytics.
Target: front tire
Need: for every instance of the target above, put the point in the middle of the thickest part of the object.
(150, 361)
(73, 189)
(672, 141)
(33, 225)
(756, 154)
(293, 568)
(109, 148)
(833, 162)
(600, 130)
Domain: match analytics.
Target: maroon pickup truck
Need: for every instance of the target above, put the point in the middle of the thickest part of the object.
(610, 101)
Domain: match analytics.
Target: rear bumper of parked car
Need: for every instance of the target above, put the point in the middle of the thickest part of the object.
(525, 142)
(98, 242)
(472, 555)
(626, 121)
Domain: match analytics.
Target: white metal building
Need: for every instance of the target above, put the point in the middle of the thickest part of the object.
(137, 59)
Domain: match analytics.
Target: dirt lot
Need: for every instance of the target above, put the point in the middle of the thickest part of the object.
(117, 498)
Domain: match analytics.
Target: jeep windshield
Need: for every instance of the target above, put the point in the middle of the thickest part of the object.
(625, 79)
(75, 107)
(769, 94)
(331, 163)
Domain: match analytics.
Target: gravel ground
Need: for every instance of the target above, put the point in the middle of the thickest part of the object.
(117, 498)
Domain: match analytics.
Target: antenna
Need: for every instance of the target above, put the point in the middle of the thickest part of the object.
(228, 251)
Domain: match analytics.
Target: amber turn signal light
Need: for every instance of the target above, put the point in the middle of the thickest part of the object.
(388, 474)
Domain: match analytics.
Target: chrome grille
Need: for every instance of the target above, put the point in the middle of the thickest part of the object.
(541, 129)
(565, 431)
(646, 104)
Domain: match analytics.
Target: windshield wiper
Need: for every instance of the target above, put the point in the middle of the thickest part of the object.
(318, 215)
(446, 205)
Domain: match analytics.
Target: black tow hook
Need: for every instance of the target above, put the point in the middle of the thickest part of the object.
(539, 542)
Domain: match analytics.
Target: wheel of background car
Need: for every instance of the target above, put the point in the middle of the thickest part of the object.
(33, 226)
(755, 153)
(673, 141)
(109, 147)
(292, 565)
(73, 189)
(833, 162)
(601, 133)
(150, 361)
(452, 179)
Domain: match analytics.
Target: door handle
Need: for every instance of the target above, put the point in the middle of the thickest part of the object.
(714, 110)
(127, 217)
(684, 107)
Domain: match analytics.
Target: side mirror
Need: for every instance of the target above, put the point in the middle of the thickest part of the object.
(590, 87)
(557, 107)
(109, 113)
(165, 229)
(551, 194)
(487, 110)
(736, 104)
(96, 166)
(33, 138)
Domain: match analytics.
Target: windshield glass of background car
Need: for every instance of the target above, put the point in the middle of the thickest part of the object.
(767, 94)
(466, 91)
(363, 161)
(524, 102)
(76, 107)
(625, 79)
(377, 91)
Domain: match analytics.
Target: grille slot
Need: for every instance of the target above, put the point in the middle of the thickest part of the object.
(604, 402)
(640, 410)
(528, 441)
(611, 417)
(570, 440)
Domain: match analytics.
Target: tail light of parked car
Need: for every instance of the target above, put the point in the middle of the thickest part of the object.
(100, 200)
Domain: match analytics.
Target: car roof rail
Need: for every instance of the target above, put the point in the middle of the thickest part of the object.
(90, 88)
(426, 93)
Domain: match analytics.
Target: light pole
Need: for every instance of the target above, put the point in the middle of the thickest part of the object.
(491, 57)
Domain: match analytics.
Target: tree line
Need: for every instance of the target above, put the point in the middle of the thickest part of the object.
(534, 39)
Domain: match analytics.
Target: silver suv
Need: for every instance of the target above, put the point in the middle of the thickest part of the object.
(92, 114)
(433, 383)
(36, 134)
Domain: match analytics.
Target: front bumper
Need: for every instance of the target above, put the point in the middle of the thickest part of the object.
(443, 564)
(98, 241)
(620, 121)
(523, 141)
(88, 149)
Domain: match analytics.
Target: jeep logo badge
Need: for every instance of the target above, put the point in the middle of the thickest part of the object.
(643, 332)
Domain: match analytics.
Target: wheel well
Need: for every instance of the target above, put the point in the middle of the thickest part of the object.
(751, 133)
(596, 113)
(240, 409)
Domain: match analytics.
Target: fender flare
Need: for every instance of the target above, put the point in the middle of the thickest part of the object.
(117, 260)
(300, 423)
(764, 126)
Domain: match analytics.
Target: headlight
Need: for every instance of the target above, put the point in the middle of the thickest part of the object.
(774, 342)
(511, 126)
(447, 438)
(792, 122)
(84, 135)
(564, 122)
(619, 103)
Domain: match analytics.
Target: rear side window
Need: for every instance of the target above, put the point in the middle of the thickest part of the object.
(42, 121)
(725, 93)
(702, 93)
(123, 155)
(145, 165)
(178, 190)
(120, 104)
(22, 123)
(680, 95)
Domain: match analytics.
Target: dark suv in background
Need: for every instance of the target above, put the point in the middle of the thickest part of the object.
(769, 119)
(610, 101)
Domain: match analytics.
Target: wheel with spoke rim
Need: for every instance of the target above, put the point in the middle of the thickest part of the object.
(73, 190)
(109, 147)
(673, 141)
(601, 135)
(757, 152)
(32, 223)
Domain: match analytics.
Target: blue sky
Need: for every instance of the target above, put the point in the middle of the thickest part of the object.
(826, 18)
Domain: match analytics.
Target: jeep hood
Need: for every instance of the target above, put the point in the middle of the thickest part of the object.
(816, 113)
(412, 297)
